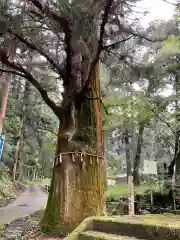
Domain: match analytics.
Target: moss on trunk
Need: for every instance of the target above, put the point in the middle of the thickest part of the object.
(77, 187)
(77, 192)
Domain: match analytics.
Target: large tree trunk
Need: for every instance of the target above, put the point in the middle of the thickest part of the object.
(77, 186)
(4, 97)
(137, 159)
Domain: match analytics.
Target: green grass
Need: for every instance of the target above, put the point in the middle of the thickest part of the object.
(113, 191)
(41, 182)
(46, 181)
(118, 190)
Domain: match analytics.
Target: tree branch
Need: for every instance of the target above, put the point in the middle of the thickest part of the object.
(64, 25)
(121, 57)
(113, 45)
(68, 50)
(40, 51)
(174, 4)
(129, 30)
(100, 43)
(49, 130)
(102, 29)
(161, 119)
(12, 72)
(22, 72)
(97, 98)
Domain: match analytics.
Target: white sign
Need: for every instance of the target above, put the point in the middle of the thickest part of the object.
(150, 167)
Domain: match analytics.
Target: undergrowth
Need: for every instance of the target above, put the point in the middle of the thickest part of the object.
(7, 188)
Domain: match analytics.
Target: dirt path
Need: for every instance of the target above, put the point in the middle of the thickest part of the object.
(32, 200)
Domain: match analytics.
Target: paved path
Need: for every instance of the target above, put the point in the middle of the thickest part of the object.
(32, 200)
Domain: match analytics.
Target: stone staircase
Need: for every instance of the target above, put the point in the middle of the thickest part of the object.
(120, 228)
(93, 235)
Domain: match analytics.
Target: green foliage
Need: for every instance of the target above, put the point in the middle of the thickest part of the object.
(129, 107)
(125, 109)
(169, 53)
(39, 125)
(4, 23)
(114, 164)
(172, 43)
(118, 190)
(7, 188)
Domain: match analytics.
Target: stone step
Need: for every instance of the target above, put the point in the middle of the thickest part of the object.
(95, 235)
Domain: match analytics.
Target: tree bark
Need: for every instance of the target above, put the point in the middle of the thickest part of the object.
(18, 162)
(129, 175)
(17, 153)
(77, 186)
(21, 160)
(28, 173)
(16, 157)
(177, 140)
(137, 159)
(5, 91)
(34, 174)
(176, 159)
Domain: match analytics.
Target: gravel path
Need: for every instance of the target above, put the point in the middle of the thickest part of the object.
(33, 199)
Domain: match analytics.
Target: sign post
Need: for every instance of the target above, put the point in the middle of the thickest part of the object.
(2, 137)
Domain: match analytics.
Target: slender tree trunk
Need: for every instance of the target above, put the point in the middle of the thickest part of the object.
(177, 169)
(4, 97)
(176, 159)
(17, 152)
(18, 162)
(28, 173)
(77, 186)
(37, 174)
(177, 140)
(129, 175)
(25, 104)
(21, 174)
(21, 160)
(34, 174)
(137, 159)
